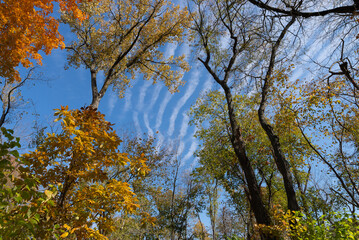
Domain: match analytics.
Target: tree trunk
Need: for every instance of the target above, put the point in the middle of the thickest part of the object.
(282, 165)
(95, 102)
(96, 96)
(280, 160)
(260, 212)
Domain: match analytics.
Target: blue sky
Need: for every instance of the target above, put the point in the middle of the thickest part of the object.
(146, 108)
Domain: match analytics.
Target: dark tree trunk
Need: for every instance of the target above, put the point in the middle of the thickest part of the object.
(280, 160)
(260, 212)
(282, 164)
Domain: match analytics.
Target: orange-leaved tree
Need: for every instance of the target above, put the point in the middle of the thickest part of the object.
(78, 160)
(26, 28)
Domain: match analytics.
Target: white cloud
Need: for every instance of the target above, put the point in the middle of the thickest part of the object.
(324, 54)
(207, 85)
(137, 123)
(191, 150)
(128, 103)
(111, 102)
(160, 140)
(185, 50)
(163, 106)
(191, 87)
(142, 96)
(147, 124)
(180, 148)
(170, 50)
(155, 95)
(224, 41)
(184, 126)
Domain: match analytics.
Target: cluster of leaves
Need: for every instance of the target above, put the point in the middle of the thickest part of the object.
(23, 207)
(168, 202)
(80, 158)
(209, 115)
(76, 181)
(332, 225)
(26, 28)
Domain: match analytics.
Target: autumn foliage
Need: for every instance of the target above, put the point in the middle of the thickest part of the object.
(78, 161)
(26, 28)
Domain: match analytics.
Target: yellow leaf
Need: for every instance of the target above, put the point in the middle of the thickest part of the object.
(67, 226)
(65, 234)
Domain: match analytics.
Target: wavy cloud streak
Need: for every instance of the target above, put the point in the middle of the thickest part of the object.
(142, 96)
(163, 106)
(155, 95)
(147, 124)
(128, 103)
(191, 87)
(192, 149)
(137, 123)
(112, 103)
(184, 125)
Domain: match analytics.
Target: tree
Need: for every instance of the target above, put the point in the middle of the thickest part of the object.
(200, 232)
(296, 8)
(230, 225)
(148, 188)
(327, 109)
(171, 201)
(123, 39)
(23, 205)
(77, 160)
(218, 161)
(26, 29)
(229, 17)
(324, 107)
(182, 203)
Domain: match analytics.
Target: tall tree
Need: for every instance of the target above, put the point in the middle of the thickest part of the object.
(226, 35)
(217, 158)
(223, 64)
(77, 161)
(322, 93)
(226, 18)
(123, 39)
(148, 188)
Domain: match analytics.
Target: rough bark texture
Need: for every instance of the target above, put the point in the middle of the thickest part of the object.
(255, 199)
(280, 160)
(256, 202)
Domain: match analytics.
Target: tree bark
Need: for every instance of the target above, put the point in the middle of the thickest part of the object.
(255, 199)
(280, 160)
(96, 96)
(260, 212)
